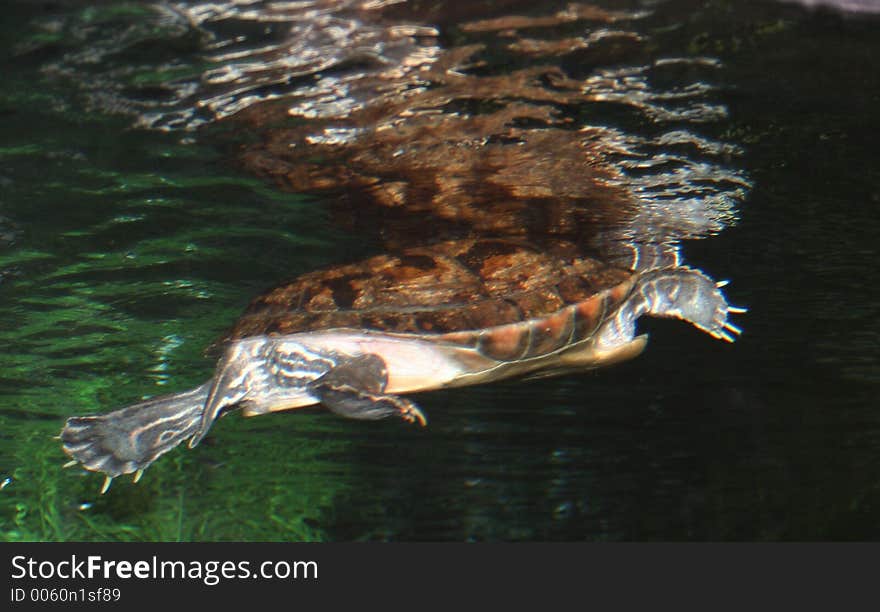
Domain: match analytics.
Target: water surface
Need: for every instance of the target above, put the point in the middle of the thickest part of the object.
(125, 251)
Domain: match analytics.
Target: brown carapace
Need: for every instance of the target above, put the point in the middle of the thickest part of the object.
(453, 286)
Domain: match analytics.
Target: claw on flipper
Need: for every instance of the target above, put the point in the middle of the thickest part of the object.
(733, 328)
(106, 486)
(723, 335)
(728, 332)
(138, 475)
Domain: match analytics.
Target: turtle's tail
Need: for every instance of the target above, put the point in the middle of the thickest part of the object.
(680, 293)
(130, 439)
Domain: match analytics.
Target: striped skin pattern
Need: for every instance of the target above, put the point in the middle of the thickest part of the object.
(124, 442)
(263, 371)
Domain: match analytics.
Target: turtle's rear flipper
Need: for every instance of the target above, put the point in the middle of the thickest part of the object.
(688, 294)
(681, 293)
(353, 389)
(130, 439)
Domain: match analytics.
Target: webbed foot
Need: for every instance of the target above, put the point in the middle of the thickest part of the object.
(130, 439)
(689, 294)
(681, 293)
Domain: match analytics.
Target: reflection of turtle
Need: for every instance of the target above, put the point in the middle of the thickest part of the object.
(353, 337)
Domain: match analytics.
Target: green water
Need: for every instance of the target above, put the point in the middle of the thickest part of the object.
(120, 276)
(125, 252)
(132, 251)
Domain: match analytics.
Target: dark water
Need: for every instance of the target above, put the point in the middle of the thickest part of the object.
(125, 251)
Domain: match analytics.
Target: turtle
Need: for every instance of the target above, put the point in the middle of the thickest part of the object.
(357, 337)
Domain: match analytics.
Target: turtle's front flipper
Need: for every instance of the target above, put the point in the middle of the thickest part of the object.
(130, 439)
(354, 389)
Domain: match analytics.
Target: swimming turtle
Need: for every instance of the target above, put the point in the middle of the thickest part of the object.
(354, 337)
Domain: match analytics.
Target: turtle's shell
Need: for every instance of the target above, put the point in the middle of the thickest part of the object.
(509, 298)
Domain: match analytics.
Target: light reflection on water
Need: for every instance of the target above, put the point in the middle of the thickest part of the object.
(124, 253)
